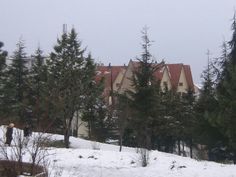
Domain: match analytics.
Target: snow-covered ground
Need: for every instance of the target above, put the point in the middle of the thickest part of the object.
(91, 159)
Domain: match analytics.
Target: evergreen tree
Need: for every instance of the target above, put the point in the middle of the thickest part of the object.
(38, 90)
(206, 132)
(171, 127)
(94, 110)
(3, 55)
(219, 64)
(189, 119)
(145, 97)
(16, 85)
(176, 120)
(226, 94)
(65, 78)
(123, 113)
(3, 66)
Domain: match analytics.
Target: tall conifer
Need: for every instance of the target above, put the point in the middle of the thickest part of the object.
(38, 90)
(226, 94)
(145, 97)
(3, 66)
(16, 85)
(65, 78)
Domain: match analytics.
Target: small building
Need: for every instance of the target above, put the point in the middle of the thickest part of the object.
(119, 79)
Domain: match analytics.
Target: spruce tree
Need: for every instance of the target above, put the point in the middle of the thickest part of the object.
(171, 126)
(145, 96)
(122, 113)
(38, 90)
(65, 78)
(3, 66)
(205, 131)
(94, 110)
(189, 118)
(16, 86)
(226, 94)
(3, 56)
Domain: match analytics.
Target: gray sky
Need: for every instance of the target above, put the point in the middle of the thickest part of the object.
(183, 30)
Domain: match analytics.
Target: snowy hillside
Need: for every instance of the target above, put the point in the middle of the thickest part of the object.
(81, 160)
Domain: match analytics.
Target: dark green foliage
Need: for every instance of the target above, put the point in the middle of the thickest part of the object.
(226, 94)
(206, 131)
(122, 116)
(145, 97)
(216, 105)
(177, 120)
(16, 85)
(3, 66)
(171, 128)
(38, 92)
(206, 106)
(65, 78)
(3, 55)
(94, 110)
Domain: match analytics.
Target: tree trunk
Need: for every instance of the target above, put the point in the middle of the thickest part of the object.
(89, 129)
(234, 157)
(67, 132)
(183, 152)
(77, 123)
(67, 137)
(191, 148)
(121, 142)
(178, 141)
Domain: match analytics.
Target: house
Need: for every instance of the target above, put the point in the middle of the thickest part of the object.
(113, 76)
(119, 78)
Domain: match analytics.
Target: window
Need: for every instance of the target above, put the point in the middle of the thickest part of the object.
(181, 84)
(110, 100)
(165, 83)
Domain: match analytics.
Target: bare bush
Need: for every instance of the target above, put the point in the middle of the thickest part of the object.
(30, 149)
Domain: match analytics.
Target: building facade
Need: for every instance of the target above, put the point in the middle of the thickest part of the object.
(118, 79)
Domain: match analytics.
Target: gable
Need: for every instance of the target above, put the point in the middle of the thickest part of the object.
(182, 83)
(165, 81)
(119, 78)
(174, 72)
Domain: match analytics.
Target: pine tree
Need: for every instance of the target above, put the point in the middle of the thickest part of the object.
(16, 86)
(65, 78)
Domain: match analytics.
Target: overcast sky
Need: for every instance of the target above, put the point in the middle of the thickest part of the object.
(183, 30)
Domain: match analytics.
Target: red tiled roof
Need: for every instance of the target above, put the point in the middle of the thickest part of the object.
(189, 77)
(109, 73)
(158, 74)
(175, 71)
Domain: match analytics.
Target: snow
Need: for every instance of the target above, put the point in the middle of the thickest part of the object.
(92, 159)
